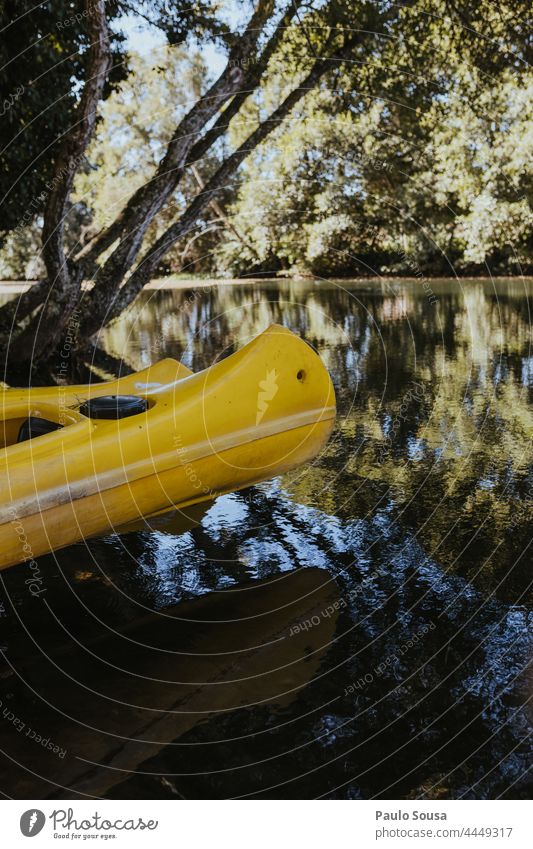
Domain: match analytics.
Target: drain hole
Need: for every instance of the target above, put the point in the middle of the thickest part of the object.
(301, 375)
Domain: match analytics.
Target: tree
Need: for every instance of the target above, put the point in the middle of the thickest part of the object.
(44, 55)
(419, 158)
(137, 123)
(34, 325)
(43, 59)
(287, 50)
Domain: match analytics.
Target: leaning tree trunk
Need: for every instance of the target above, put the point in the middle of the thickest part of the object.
(32, 329)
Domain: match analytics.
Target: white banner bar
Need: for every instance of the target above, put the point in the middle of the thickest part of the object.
(268, 824)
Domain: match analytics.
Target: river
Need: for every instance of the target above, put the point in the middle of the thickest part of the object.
(417, 515)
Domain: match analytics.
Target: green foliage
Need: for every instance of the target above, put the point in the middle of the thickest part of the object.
(182, 20)
(418, 156)
(43, 55)
(43, 52)
(412, 157)
(19, 258)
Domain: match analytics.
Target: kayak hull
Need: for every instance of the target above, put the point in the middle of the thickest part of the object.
(256, 414)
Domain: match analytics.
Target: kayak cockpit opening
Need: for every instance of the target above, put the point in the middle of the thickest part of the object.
(34, 426)
(28, 425)
(23, 422)
(114, 407)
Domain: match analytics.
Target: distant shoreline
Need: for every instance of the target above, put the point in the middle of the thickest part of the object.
(16, 287)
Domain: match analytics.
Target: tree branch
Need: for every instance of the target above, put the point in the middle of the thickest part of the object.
(115, 303)
(75, 144)
(131, 224)
(253, 79)
(59, 293)
(217, 209)
(20, 308)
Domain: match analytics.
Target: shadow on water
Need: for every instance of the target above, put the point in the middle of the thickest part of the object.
(153, 680)
(418, 512)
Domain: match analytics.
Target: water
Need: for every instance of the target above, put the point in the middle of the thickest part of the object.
(418, 516)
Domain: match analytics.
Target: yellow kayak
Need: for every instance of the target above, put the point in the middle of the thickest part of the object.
(81, 461)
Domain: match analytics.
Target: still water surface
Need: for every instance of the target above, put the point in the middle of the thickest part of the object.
(417, 514)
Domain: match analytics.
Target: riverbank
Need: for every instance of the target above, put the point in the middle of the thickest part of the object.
(18, 287)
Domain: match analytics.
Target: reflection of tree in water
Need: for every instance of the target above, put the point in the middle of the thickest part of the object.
(452, 486)
(430, 525)
(448, 703)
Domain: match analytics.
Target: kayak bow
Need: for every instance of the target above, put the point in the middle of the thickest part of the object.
(177, 439)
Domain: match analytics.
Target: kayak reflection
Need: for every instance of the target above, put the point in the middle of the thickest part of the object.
(79, 721)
